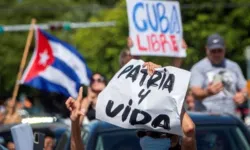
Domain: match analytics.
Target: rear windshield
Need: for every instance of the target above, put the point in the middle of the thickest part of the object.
(120, 140)
(220, 138)
(207, 137)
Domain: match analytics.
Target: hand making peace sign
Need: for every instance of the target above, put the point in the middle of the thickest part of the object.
(74, 106)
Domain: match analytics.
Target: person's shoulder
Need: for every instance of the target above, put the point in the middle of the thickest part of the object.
(200, 64)
(231, 64)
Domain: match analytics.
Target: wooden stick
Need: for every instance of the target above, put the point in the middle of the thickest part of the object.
(24, 58)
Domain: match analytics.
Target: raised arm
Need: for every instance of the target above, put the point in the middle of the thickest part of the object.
(74, 106)
(188, 127)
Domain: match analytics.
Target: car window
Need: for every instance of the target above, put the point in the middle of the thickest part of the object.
(220, 138)
(209, 137)
(64, 141)
(120, 140)
(6, 137)
(54, 130)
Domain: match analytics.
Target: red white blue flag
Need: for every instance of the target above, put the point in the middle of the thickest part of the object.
(56, 66)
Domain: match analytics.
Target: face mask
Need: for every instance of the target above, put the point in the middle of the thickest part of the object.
(148, 143)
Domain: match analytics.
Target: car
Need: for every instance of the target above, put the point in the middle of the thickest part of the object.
(55, 129)
(213, 132)
(220, 132)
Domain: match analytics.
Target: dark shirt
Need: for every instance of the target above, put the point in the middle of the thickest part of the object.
(91, 113)
(222, 64)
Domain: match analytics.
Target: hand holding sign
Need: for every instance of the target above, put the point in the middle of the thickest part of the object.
(151, 67)
(184, 44)
(74, 106)
(135, 99)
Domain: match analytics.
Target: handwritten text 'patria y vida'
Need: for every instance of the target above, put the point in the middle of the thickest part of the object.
(160, 80)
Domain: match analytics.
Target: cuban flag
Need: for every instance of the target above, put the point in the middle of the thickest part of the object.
(56, 66)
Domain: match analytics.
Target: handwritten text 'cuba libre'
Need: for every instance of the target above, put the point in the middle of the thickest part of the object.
(164, 28)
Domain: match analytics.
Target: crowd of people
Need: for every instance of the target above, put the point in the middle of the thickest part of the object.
(12, 112)
(217, 85)
(215, 81)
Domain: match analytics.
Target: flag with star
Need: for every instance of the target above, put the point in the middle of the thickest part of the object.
(56, 66)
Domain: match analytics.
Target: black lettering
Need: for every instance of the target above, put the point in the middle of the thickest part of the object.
(135, 113)
(163, 78)
(153, 79)
(157, 122)
(115, 111)
(145, 73)
(134, 73)
(142, 96)
(169, 83)
(127, 111)
(127, 69)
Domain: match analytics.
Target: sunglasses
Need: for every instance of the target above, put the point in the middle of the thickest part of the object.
(99, 80)
(216, 51)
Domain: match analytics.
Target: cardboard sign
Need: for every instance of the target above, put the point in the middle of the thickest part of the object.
(155, 28)
(134, 99)
(23, 136)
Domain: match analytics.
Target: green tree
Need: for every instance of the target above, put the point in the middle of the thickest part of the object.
(12, 43)
(102, 46)
(227, 18)
(45, 11)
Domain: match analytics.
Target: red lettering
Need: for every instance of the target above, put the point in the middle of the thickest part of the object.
(149, 43)
(174, 44)
(140, 47)
(163, 42)
(155, 43)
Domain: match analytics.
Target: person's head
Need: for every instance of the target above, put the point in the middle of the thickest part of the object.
(98, 82)
(28, 102)
(125, 57)
(10, 145)
(49, 141)
(10, 103)
(215, 49)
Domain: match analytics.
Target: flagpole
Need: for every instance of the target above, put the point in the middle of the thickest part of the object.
(24, 58)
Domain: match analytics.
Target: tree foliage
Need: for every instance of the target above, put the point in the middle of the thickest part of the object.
(102, 46)
(46, 11)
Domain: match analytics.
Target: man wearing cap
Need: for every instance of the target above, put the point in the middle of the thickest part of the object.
(217, 83)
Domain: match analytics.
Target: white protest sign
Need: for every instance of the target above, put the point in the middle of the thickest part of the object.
(134, 99)
(155, 28)
(23, 136)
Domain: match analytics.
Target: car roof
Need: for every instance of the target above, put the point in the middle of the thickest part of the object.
(197, 117)
(201, 118)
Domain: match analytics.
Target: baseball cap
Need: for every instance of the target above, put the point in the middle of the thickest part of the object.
(215, 41)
